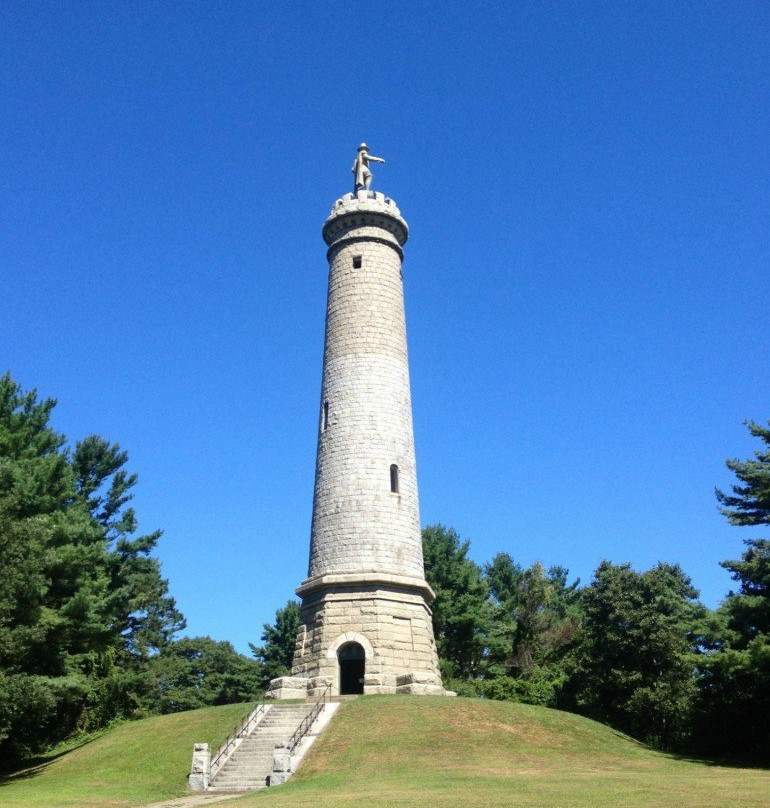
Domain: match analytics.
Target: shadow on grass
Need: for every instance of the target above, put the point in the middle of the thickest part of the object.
(721, 762)
(32, 767)
(737, 761)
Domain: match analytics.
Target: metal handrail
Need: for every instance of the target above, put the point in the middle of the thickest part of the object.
(309, 719)
(241, 730)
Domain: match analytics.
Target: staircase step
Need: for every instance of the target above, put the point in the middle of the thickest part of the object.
(249, 766)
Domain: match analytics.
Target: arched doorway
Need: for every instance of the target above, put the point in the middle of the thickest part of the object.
(352, 661)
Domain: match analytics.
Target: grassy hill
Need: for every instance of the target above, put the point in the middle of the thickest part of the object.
(134, 764)
(409, 752)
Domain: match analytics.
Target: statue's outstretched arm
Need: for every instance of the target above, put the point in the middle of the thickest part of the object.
(374, 159)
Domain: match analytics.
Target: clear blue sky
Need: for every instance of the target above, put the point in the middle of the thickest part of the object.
(587, 186)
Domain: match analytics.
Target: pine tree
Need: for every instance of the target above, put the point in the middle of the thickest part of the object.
(734, 683)
(749, 503)
(462, 610)
(82, 603)
(277, 652)
(636, 652)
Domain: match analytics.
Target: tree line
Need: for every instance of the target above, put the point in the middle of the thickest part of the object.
(89, 633)
(88, 630)
(635, 650)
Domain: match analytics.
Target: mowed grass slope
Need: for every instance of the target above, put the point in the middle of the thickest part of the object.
(134, 764)
(432, 752)
(410, 752)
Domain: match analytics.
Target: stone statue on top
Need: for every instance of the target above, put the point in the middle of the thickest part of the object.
(361, 170)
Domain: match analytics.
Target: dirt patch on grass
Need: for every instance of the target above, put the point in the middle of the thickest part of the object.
(533, 734)
(509, 771)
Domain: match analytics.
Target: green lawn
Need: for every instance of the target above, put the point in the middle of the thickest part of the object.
(414, 752)
(410, 752)
(133, 764)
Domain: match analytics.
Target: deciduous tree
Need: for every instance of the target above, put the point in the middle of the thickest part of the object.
(198, 671)
(536, 618)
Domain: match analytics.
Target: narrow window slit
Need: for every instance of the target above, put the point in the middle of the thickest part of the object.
(357, 261)
(325, 417)
(394, 479)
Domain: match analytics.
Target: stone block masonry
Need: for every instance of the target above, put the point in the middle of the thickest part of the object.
(359, 523)
(391, 623)
(365, 615)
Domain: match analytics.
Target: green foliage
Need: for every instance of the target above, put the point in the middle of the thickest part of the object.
(82, 602)
(734, 683)
(279, 639)
(87, 622)
(734, 675)
(462, 610)
(749, 503)
(541, 687)
(748, 609)
(142, 612)
(636, 650)
(197, 672)
(734, 702)
(502, 632)
(536, 617)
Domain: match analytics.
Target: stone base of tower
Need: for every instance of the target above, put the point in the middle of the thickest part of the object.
(363, 634)
(288, 687)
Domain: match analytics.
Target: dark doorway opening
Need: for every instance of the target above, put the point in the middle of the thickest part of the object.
(352, 661)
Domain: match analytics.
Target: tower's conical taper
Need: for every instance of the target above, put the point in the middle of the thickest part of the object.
(365, 617)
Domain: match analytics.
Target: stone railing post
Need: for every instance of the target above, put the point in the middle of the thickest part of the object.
(281, 764)
(201, 767)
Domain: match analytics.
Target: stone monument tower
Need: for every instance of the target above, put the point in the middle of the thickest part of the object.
(365, 616)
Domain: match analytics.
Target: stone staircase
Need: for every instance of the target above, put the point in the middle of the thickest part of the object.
(250, 765)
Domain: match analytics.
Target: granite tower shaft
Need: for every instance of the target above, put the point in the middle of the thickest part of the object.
(365, 616)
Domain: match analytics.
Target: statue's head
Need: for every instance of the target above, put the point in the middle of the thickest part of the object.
(363, 147)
